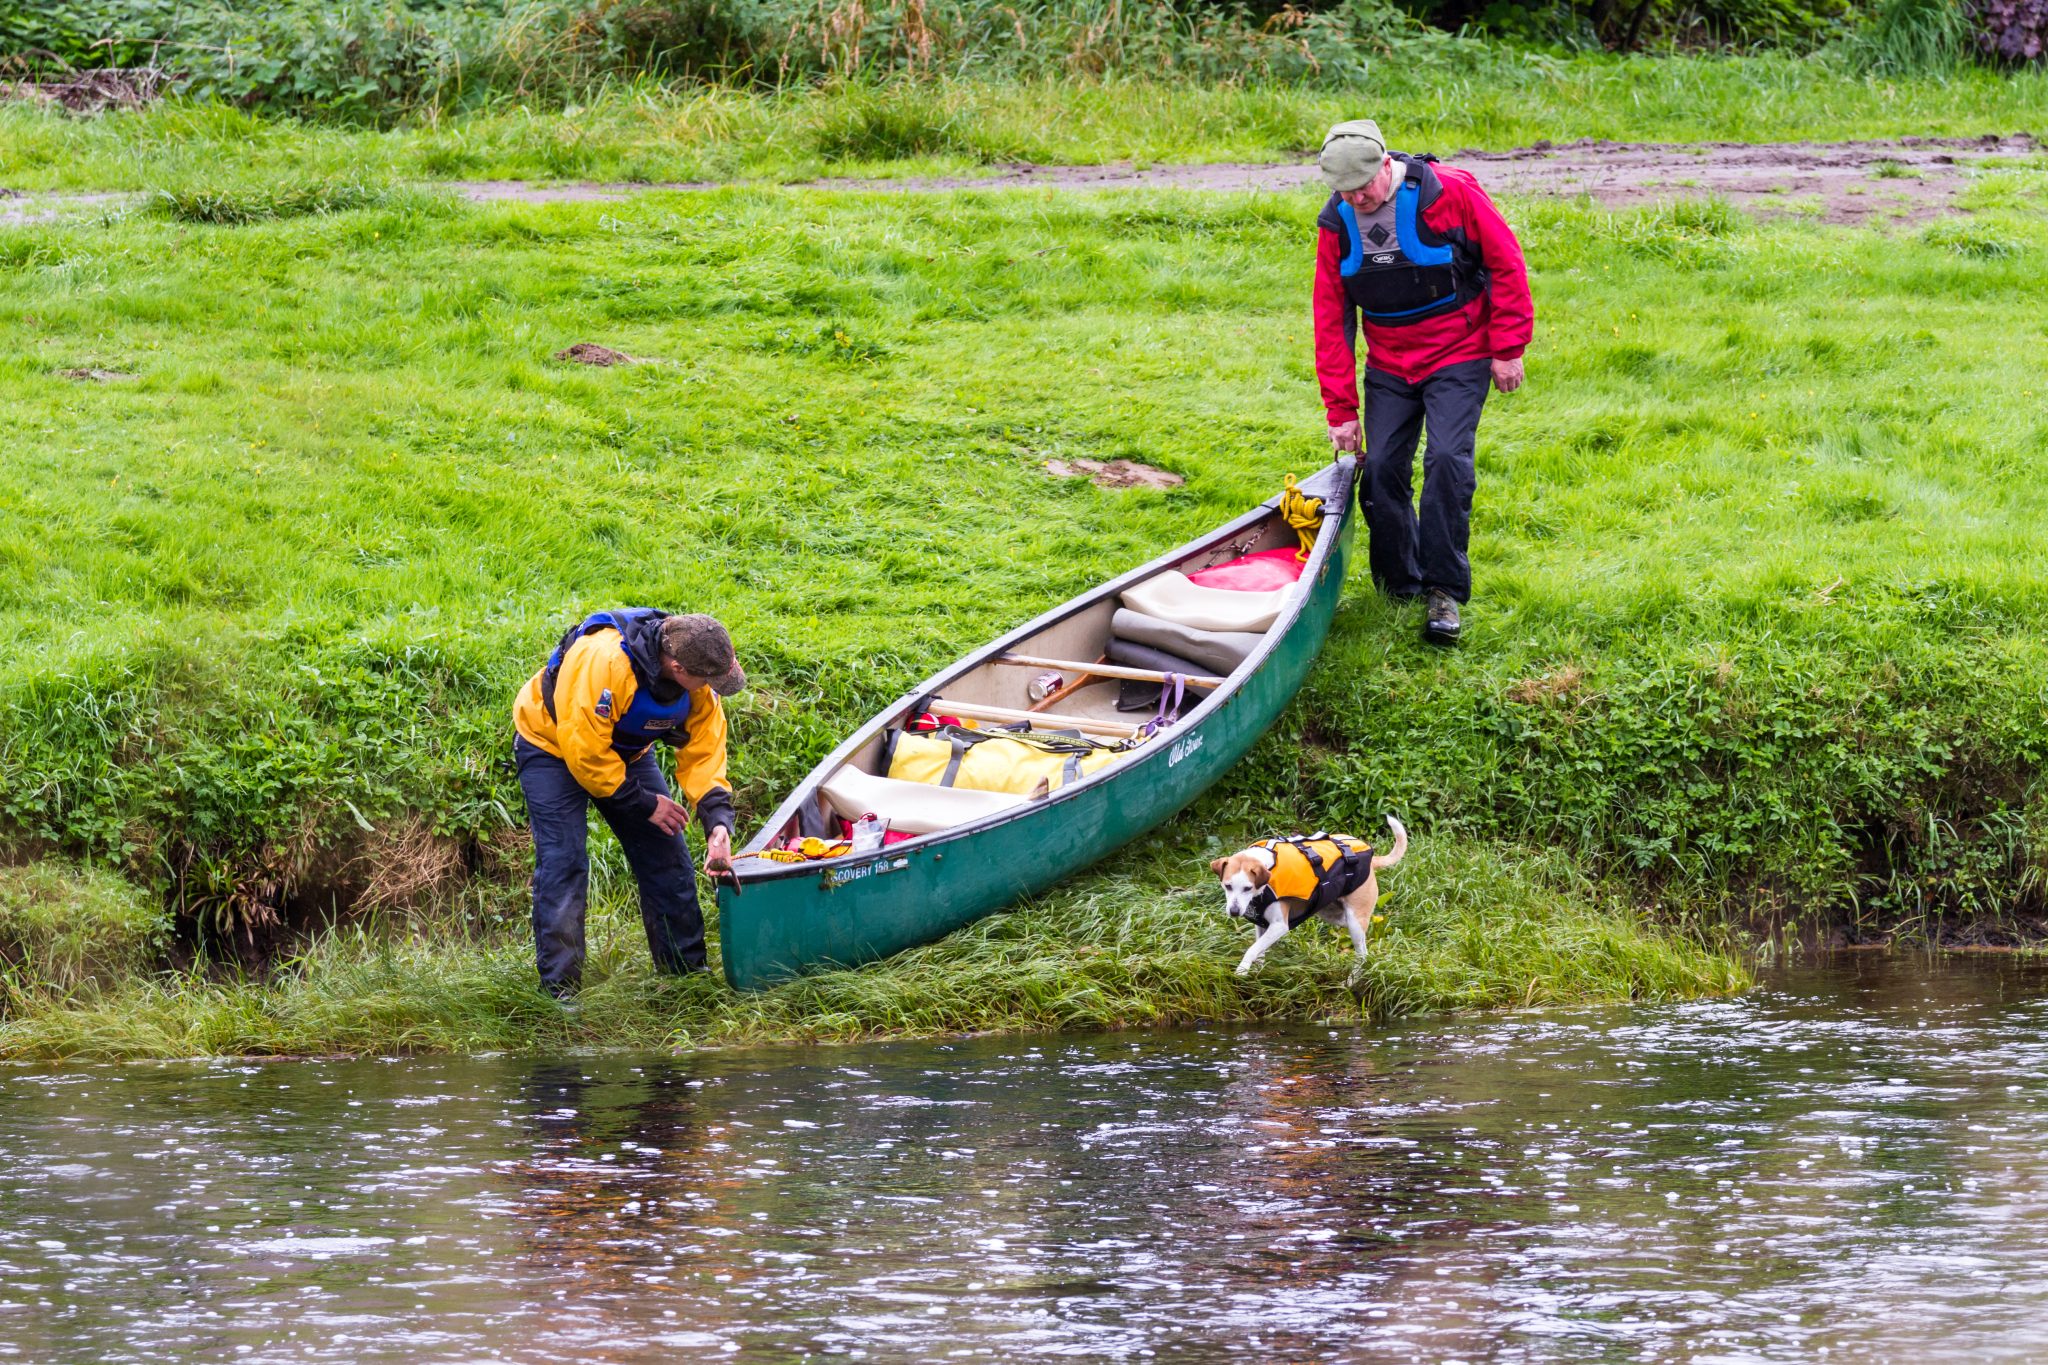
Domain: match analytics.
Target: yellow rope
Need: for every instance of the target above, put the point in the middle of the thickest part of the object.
(1304, 514)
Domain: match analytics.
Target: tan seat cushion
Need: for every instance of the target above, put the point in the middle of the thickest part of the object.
(910, 807)
(1171, 597)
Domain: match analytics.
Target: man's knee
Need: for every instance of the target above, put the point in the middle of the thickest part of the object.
(560, 864)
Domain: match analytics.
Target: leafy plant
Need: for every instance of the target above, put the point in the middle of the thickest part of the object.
(2014, 32)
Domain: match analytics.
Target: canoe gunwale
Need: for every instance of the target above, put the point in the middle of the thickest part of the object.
(1342, 475)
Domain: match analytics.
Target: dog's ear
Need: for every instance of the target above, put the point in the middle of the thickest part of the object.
(1218, 866)
(1261, 874)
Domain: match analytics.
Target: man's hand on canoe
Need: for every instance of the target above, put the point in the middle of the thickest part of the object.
(1344, 435)
(668, 817)
(718, 848)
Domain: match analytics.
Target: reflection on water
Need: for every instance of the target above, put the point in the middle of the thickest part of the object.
(1851, 1164)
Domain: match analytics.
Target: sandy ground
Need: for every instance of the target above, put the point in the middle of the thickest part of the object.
(1909, 179)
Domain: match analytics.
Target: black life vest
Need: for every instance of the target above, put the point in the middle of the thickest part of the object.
(659, 708)
(1397, 269)
(1315, 871)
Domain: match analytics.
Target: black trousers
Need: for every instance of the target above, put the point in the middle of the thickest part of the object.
(558, 809)
(1411, 555)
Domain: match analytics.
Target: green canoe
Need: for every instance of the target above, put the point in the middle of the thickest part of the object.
(786, 918)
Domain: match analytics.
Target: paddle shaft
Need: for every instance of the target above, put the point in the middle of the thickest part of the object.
(1106, 670)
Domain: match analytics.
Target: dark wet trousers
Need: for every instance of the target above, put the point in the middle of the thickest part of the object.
(558, 809)
(1410, 556)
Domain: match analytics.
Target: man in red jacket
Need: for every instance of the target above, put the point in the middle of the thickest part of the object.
(1419, 254)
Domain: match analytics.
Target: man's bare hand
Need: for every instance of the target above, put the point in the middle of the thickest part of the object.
(718, 847)
(1345, 435)
(1507, 375)
(668, 817)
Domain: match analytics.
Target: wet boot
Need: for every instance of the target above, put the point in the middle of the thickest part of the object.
(1441, 626)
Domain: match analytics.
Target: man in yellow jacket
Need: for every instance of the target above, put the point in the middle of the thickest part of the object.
(618, 683)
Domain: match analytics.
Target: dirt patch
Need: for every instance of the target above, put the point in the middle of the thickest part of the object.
(1565, 685)
(588, 353)
(1905, 179)
(1910, 178)
(89, 92)
(19, 207)
(405, 867)
(565, 192)
(1114, 473)
(2010, 934)
(91, 376)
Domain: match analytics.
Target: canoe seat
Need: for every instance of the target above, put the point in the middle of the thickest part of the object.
(910, 807)
(1172, 596)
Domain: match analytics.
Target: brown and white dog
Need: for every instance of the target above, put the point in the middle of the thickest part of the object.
(1249, 873)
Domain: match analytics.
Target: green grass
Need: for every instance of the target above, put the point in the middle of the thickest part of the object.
(1483, 97)
(70, 933)
(1757, 621)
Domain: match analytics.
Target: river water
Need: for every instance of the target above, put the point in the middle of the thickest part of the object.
(1848, 1164)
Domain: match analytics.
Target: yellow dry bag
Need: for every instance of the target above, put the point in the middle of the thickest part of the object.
(993, 761)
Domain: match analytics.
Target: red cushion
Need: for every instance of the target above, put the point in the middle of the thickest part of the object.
(1262, 572)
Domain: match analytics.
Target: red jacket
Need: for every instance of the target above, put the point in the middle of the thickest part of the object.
(1494, 326)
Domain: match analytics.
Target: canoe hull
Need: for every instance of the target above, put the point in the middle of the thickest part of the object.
(859, 909)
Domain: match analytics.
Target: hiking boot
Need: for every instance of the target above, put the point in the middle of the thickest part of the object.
(1441, 627)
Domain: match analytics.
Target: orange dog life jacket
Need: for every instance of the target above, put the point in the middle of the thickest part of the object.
(1318, 870)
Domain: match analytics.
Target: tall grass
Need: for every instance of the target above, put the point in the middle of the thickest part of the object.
(1917, 38)
(378, 60)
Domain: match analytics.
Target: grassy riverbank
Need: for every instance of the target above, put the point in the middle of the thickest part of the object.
(1468, 96)
(1144, 944)
(1757, 620)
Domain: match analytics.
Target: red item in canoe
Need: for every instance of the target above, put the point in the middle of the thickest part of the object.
(889, 836)
(1262, 572)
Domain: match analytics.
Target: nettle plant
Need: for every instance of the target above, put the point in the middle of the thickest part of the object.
(2013, 31)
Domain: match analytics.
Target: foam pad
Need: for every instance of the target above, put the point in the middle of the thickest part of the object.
(910, 807)
(1132, 655)
(1216, 651)
(1136, 695)
(1261, 572)
(1171, 597)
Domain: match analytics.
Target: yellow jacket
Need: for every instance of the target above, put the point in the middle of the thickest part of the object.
(596, 685)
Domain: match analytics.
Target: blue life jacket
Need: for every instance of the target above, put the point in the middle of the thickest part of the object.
(1396, 268)
(659, 707)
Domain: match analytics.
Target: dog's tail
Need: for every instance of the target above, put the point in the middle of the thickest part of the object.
(1399, 850)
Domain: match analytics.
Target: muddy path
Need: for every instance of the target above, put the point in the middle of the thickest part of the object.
(1905, 179)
